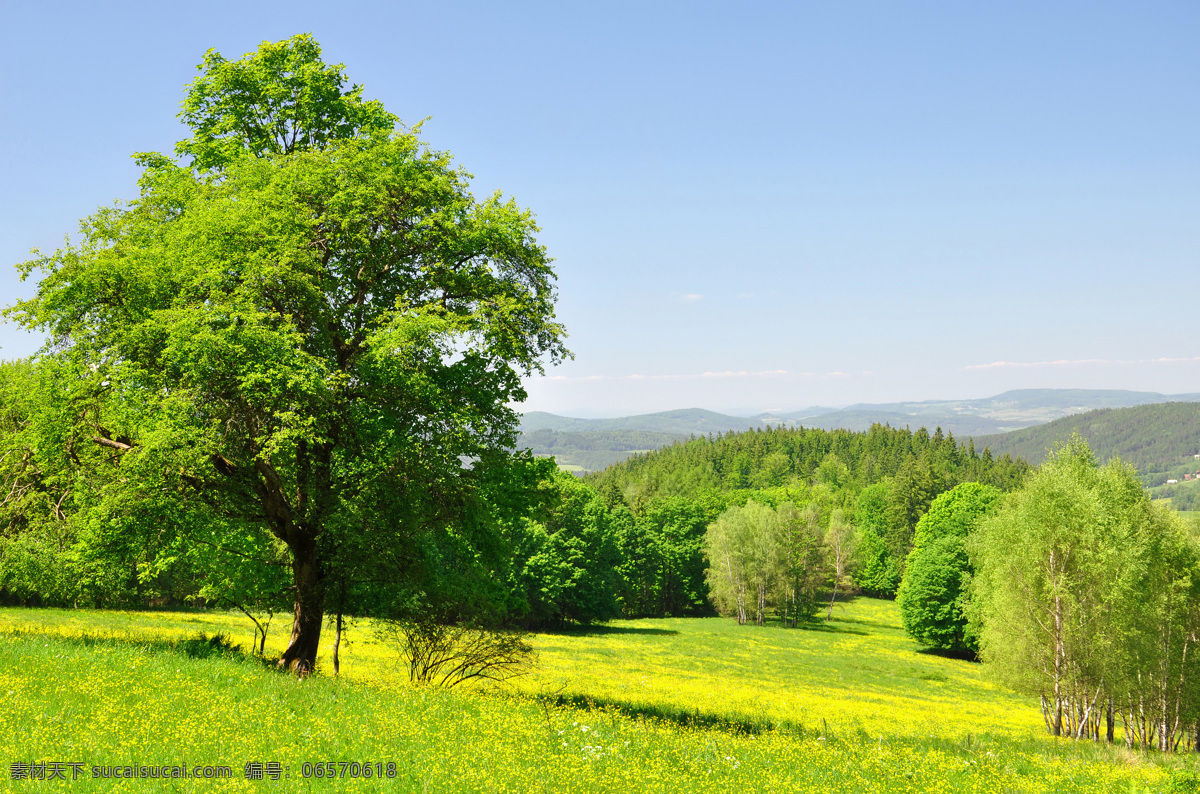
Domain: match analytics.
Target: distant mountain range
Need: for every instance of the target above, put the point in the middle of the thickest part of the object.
(694, 421)
(592, 444)
(1011, 410)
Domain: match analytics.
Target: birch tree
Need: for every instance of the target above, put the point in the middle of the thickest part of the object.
(801, 561)
(763, 559)
(839, 550)
(1086, 595)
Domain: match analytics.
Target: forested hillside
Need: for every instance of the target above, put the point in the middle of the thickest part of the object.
(798, 457)
(1159, 440)
(801, 511)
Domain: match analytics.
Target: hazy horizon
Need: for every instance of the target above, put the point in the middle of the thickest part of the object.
(751, 412)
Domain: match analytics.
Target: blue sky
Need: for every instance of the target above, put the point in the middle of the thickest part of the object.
(752, 206)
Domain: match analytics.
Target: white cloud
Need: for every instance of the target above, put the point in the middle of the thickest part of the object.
(1103, 362)
(692, 296)
(708, 375)
(744, 374)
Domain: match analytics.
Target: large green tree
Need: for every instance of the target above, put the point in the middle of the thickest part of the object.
(308, 335)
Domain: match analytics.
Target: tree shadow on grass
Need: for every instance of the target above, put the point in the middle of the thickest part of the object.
(600, 629)
(873, 623)
(818, 624)
(197, 646)
(964, 656)
(832, 627)
(675, 715)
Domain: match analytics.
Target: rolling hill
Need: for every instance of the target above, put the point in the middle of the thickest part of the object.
(1159, 440)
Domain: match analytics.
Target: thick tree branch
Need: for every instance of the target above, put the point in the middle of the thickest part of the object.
(117, 445)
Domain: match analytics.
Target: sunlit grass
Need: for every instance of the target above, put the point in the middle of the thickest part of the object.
(663, 705)
(856, 674)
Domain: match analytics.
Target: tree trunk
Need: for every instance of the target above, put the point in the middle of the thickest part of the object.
(309, 608)
(337, 641)
(337, 636)
(1058, 666)
(1109, 722)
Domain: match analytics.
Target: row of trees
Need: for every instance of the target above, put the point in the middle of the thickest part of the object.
(780, 457)
(1099, 613)
(546, 548)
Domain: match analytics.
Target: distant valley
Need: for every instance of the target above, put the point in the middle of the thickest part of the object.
(592, 444)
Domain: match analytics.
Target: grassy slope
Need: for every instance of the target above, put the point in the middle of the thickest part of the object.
(859, 709)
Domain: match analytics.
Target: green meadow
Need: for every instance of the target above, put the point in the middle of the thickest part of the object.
(653, 705)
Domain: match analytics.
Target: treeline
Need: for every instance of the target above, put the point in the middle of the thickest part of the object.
(789, 456)
(753, 524)
(631, 541)
(883, 480)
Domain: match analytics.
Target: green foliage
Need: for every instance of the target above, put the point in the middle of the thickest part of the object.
(956, 512)
(884, 478)
(279, 99)
(662, 566)
(762, 558)
(912, 489)
(845, 461)
(566, 557)
(933, 594)
(876, 570)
